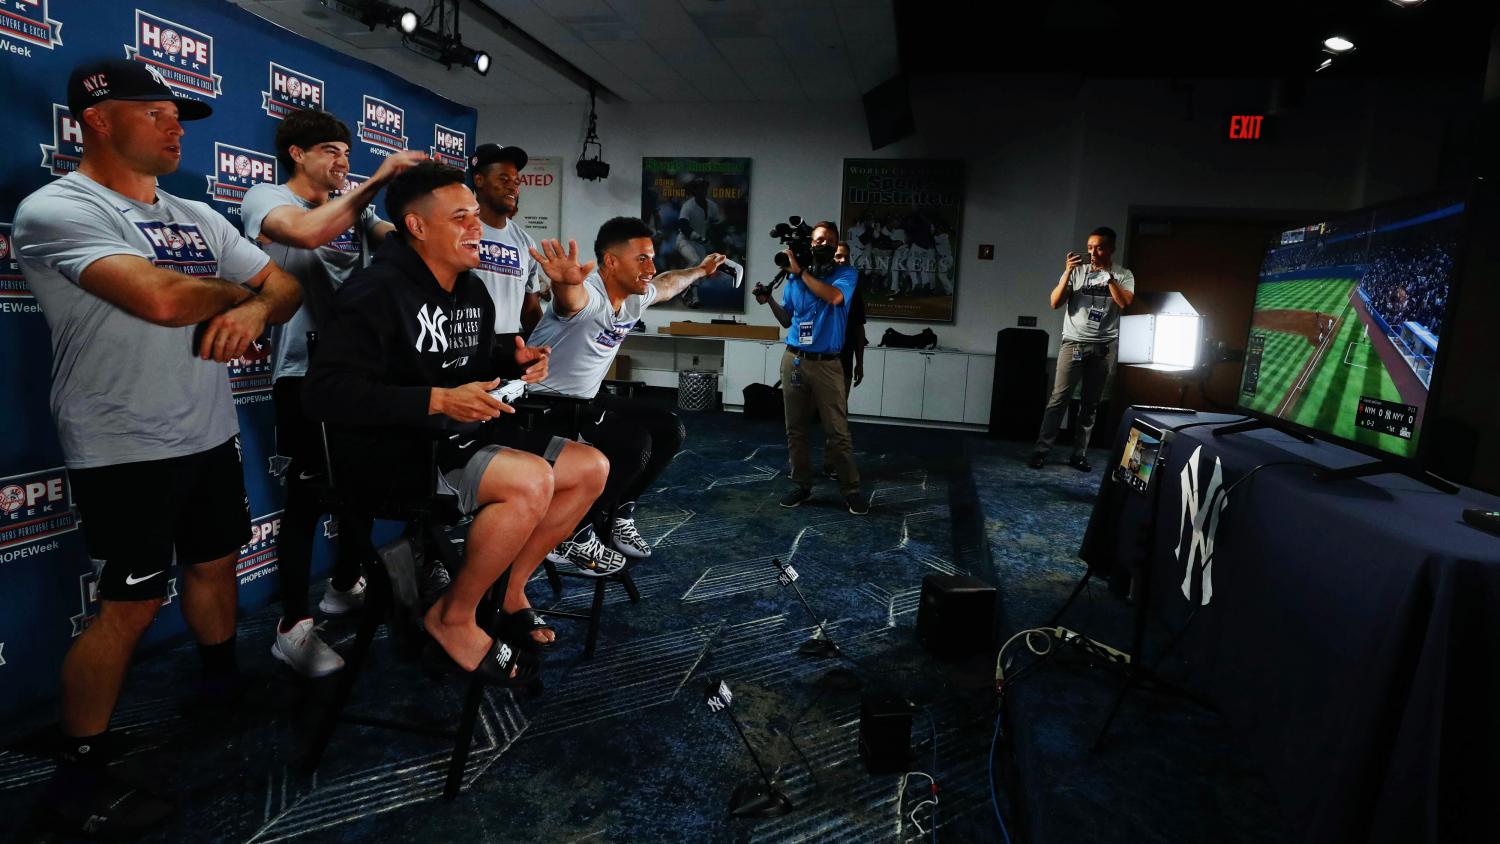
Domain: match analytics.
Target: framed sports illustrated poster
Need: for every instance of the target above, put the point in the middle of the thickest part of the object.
(901, 219)
(697, 206)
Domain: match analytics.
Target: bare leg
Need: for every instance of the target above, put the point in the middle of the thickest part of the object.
(513, 497)
(579, 477)
(209, 599)
(95, 667)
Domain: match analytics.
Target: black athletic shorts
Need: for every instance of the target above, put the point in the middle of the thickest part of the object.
(136, 515)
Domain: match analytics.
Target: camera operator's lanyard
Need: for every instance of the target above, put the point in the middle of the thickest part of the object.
(1096, 310)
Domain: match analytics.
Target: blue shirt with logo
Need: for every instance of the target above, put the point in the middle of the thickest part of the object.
(816, 325)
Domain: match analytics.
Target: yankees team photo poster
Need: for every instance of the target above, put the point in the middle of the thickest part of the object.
(253, 74)
(901, 219)
(697, 206)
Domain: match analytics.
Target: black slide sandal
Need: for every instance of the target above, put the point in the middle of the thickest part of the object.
(496, 666)
(517, 627)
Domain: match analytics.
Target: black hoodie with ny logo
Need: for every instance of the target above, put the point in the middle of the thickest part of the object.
(395, 333)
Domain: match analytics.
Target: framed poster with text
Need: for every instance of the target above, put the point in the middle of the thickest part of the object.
(697, 206)
(901, 219)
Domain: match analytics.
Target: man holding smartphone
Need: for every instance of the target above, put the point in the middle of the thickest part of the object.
(1094, 292)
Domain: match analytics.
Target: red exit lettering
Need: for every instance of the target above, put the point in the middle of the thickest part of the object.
(1245, 127)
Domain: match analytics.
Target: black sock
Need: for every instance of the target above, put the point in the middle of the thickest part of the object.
(80, 764)
(219, 660)
(84, 751)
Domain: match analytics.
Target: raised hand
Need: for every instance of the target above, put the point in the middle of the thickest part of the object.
(710, 264)
(395, 165)
(561, 267)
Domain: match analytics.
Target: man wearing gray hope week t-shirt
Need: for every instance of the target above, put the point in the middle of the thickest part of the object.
(128, 277)
(319, 229)
(591, 315)
(1093, 291)
(512, 277)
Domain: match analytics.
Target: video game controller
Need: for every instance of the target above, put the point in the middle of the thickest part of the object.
(509, 391)
(735, 269)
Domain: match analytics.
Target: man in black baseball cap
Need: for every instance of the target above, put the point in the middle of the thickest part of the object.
(487, 154)
(506, 267)
(94, 82)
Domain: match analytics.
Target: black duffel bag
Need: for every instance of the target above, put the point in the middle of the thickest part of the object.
(764, 402)
(893, 339)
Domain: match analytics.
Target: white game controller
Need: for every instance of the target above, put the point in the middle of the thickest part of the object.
(733, 267)
(509, 391)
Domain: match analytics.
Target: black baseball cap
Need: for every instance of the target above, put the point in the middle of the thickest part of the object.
(94, 82)
(488, 154)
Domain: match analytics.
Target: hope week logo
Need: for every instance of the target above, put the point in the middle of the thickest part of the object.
(289, 90)
(183, 56)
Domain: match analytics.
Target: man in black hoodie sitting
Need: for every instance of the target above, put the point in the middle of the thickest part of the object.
(411, 345)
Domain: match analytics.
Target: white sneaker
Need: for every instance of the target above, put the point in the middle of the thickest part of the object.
(337, 603)
(625, 538)
(307, 654)
(590, 555)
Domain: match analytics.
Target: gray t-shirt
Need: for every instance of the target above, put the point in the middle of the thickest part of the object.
(1091, 315)
(124, 389)
(508, 272)
(584, 344)
(338, 259)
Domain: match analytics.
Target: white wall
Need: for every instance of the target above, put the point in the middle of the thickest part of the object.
(1048, 159)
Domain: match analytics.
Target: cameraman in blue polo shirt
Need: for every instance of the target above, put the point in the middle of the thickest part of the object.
(815, 312)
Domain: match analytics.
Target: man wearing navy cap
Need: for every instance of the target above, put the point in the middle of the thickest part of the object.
(116, 264)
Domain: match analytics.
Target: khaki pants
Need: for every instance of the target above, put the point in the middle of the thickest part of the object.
(1092, 363)
(821, 387)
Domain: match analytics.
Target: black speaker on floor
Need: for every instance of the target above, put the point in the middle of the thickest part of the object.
(885, 734)
(956, 614)
(1019, 394)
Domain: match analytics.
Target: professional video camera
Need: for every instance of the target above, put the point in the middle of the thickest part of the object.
(796, 235)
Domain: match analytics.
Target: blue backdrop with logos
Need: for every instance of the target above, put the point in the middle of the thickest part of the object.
(253, 73)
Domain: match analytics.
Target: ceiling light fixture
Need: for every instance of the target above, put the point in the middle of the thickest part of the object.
(1338, 45)
(1407, 4)
(442, 44)
(1327, 63)
(592, 169)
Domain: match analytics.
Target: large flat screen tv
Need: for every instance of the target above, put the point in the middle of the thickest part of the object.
(1348, 322)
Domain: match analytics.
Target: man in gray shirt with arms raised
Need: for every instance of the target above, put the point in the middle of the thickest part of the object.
(1094, 292)
(124, 273)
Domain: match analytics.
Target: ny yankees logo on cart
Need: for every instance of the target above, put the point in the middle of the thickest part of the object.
(1201, 511)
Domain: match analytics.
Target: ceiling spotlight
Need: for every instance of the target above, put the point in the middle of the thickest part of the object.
(407, 21)
(457, 53)
(1338, 45)
(1406, 4)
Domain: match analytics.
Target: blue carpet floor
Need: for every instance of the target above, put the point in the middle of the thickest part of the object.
(622, 747)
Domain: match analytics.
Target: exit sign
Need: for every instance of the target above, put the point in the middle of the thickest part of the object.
(1246, 127)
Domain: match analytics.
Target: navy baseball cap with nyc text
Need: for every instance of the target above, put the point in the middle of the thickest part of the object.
(94, 82)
